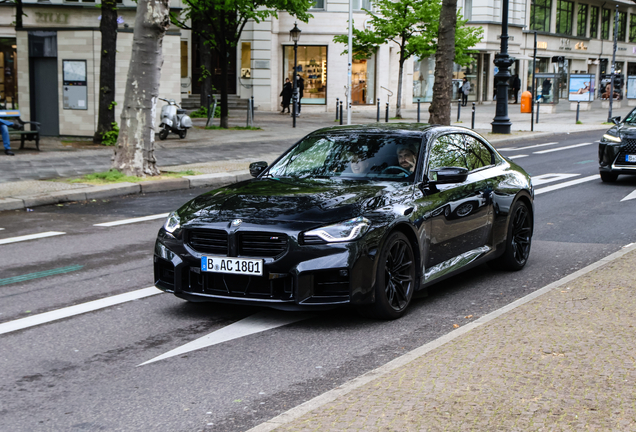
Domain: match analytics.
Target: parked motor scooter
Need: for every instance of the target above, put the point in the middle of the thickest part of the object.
(173, 119)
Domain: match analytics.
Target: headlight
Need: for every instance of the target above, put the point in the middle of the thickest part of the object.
(345, 231)
(172, 223)
(612, 138)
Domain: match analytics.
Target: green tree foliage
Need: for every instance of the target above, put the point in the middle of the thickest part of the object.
(223, 22)
(413, 25)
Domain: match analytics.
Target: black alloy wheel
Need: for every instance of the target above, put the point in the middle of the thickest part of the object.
(395, 280)
(519, 239)
(608, 177)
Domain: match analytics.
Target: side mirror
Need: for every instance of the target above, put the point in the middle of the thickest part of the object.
(256, 168)
(447, 175)
(616, 120)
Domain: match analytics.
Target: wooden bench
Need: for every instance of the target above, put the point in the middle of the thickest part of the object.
(25, 135)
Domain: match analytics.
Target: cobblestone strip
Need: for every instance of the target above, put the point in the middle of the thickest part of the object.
(560, 358)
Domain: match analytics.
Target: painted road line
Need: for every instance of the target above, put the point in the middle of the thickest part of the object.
(70, 311)
(528, 147)
(563, 148)
(37, 275)
(1, 229)
(517, 156)
(30, 237)
(631, 196)
(257, 323)
(550, 178)
(567, 184)
(133, 220)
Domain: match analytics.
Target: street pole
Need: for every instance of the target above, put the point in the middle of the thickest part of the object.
(350, 59)
(294, 34)
(501, 123)
(611, 95)
(534, 71)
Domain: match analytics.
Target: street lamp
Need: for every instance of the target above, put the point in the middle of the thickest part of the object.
(294, 34)
(501, 123)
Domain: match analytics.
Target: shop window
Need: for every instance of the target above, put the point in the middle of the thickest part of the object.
(622, 26)
(312, 68)
(565, 11)
(593, 22)
(184, 59)
(246, 60)
(605, 24)
(632, 28)
(423, 79)
(363, 81)
(581, 18)
(8, 78)
(540, 15)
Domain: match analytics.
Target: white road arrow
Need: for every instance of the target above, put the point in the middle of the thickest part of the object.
(631, 196)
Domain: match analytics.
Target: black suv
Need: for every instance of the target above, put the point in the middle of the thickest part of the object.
(617, 149)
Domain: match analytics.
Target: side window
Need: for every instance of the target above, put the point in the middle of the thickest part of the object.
(447, 151)
(477, 154)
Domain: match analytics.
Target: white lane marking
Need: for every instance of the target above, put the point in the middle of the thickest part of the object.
(70, 311)
(528, 147)
(1, 229)
(549, 178)
(257, 323)
(562, 148)
(133, 220)
(567, 184)
(30, 237)
(517, 156)
(631, 196)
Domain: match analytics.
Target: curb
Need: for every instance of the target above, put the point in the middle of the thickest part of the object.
(331, 395)
(121, 189)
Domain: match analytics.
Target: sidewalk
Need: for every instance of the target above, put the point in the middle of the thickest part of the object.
(223, 156)
(561, 358)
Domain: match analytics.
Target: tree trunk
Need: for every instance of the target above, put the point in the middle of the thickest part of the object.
(134, 154)
(398, 105)
(108, 29)
(18, 14)
(205, 61)
(440, 109)
(224, 78)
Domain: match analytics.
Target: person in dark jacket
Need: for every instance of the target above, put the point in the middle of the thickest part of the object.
(286, 94)
(516, 86)
(300, 84)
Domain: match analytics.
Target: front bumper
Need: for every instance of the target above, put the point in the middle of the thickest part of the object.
(611, 157)
(303, 277)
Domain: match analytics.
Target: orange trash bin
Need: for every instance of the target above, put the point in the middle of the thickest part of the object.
(526, 101)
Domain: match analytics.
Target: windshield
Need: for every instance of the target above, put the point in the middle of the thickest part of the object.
(352, 155)
(631, 118)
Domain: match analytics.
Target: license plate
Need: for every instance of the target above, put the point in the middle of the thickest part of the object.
(630, 158)
(242, 266)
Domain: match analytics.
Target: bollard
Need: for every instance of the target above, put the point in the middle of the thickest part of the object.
(472, 120)
(248, 122)
(386, 116)
(337, 99)
(378, 116)
(252, 97)
(459, 109)
(340, 112)
(207, 122)
(538, 106)
(578, 107)
(294, 97)
(418, 110)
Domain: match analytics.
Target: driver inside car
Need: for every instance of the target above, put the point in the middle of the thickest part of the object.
(407, 158)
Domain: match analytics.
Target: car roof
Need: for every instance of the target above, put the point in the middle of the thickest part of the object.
(379, 128)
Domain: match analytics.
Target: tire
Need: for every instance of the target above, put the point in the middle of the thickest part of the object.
(183, 133)
(518, 239)
(608, 177)
(395, 281)
(163, 134)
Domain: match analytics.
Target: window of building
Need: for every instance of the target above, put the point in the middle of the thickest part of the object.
(581, 18)
(361, 4)
(363, 81)
(632, 28)
(423, 79)
(312, 68)
(622, 26)
(468, 10)
(605, 24)
(318, 4)
(565, 12)
(246, 60)
(593, 21)
(184, 59)
(540, 15)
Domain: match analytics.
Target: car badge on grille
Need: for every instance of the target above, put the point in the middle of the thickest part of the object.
(236, 222)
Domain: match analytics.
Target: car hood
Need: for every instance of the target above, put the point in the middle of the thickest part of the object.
(623, 130)
(270, 201)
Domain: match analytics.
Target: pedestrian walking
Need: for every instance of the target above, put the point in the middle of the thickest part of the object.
(546, 89)
(516, 86)
(286, 94)
(4, 128)
(465, 89)
(300, 86)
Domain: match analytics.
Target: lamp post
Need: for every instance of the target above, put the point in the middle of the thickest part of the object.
(501, 123)
(294, 34)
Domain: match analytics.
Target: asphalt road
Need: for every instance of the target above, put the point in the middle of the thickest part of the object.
(84, 371)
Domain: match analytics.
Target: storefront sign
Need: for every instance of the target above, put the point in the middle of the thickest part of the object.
(580, 46)
(581, 88)
(565, 44)
(542, 45)
(51, 17)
